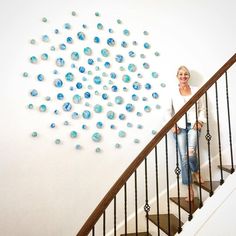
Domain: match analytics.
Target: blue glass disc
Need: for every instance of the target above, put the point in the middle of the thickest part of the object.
(119, 58)
(126, 78)
(97, 80)
(98, 108)
(129, 107)
(119, 100)
(34, 93)
(136, 85)
(96, 137)
(105, 52)
(40, 77)
(67, 106)
(81, 35)
(86, 114)
(111, 42)
(60, 96)
(60, 62)
(42, 108)
(75, 56)
(88, 51)
(110, 115)
(79, 85)
(132, 67)
(69, 76)
(58, 83)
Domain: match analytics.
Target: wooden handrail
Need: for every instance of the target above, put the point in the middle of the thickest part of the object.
(94, 217)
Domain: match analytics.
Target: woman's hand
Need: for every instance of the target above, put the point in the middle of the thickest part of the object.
(198, 125)
(175, 129)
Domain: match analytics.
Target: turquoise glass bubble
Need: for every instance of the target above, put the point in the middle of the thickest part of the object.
(86, 114)
(139, 126)
(60, 96)
(134, 97)
(124, 44)
(52, 125)
(73, 134)
(60, 62)
(75, 115)
(99, 125)
(113, 127)
(84, 126)
(87, 95)
(110, 30)
(119, 100)
(96, 137)
(75, 56)
(148, 86)
(98, 108)
(111, 42)
(154, 74)
(81, 69)
(122, 134)
(119, 58)
(155, 95)
(62, 46)
(126, 32)
(129, 107)
(97, 80)
(99, 26)
(104, 96)
(69, 76)
(129, 125)
(34, 93)
(56, 112)
(33, 60)
(114, 88)
(107, 64)
(126, 78)
(44, 56)
(67, 26)
(88, 51)
(139, 114)
(81, 35)
(145, 32)
(79, 85)
(132, 54)
(146, 65)
(90, 61)
(67, 106)
(105, 52)
(69, 40)
(30, 106)
(136, 85)
(122, 116)
(58, 83)
(45, 38)
(110, 115)
(132, 67)
(97, 14)
(34, 134)
(96, 39)
(147, 108)
(147, 45)
(40, 77)
(145, 99)
(113, 75)
(43, 108)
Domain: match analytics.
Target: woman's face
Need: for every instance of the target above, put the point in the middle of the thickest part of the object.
(183, 76)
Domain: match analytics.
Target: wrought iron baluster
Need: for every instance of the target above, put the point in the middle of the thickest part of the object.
(177, 172)
(93, 231)
(147, 206)
(125, 198)
(208, 138)
(228, 109)
(188, 168)
(219, 136)
(136, 202)
(199, 159)
(167, 183)
(104, 223)
(157, 192)
(115, 216)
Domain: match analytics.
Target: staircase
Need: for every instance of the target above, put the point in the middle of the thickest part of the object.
(125, 209)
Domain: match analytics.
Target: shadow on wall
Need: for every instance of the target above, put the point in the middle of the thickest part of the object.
(196, 79)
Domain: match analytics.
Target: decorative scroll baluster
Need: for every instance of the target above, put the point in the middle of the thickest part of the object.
(167, 183)
(104, 223)
(218, 129)
(208, 138)
(125, 198)
(177, 172)
(115, 216)
(136, 203)
(157, 192)
(147, 206)
(228, 109)
(199, 159)
(188, 167)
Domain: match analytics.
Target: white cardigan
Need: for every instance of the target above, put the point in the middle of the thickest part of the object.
(177, 101)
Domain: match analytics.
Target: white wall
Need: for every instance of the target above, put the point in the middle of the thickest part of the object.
(50, 190)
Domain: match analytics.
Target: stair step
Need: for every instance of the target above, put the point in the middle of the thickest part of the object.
(227, 168)
(185, 205)
(139, 234)
(207, 185)
(163, 223)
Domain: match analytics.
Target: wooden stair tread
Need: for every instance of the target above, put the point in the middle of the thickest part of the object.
(227, 168)
(139, 234)
(185, 205)
(163, 223)
(207, 185)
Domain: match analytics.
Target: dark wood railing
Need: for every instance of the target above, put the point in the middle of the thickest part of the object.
(89, 226)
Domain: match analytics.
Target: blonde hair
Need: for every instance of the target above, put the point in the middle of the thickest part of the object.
(183, 67)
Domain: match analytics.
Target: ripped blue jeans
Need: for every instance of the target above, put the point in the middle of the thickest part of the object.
(193, 166)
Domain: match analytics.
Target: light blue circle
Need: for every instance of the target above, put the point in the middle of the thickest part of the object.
(99, 26)
(98, 108)
(136, 85)
(34, 134)
(73, 134)
(81, 69)
(119, 100)
(97, 80)
(96, 40)
(111, 42)
(114, 88)
(90, 61)
(60, 96)
(132, 67)
(148, 86)
(110, 115)
(81, 35)
(126, 78)
(77, 98)
(147, 45)
(33, 60)
(67, 26)
(126, 32)
(129, 107)
(75, 56)
(40, 77)
(44, 56)
(43, 108)
(155, 95)
(60, 62)
(135, 97)
(78, 147)
(62, 46)
(104, 96)
(75, 115)
(34, 93)
(96, 137)
(146, 65)
(52, 125)
(79, 85)
(58, 83)
(119, 58)
(132, 54)
(88, 51)
(121, 134)
(69, 76)
(122, 116)
(107, 64)
(69, 40)
(154, 74)
(113, 75)
(105, 52)
(124, 44)
(99, 125)
(45, 38)
(86, 114)
(67, 106)
(87, 95)
(147, 108)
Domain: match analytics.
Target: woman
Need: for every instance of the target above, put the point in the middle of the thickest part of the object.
(178, 99)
